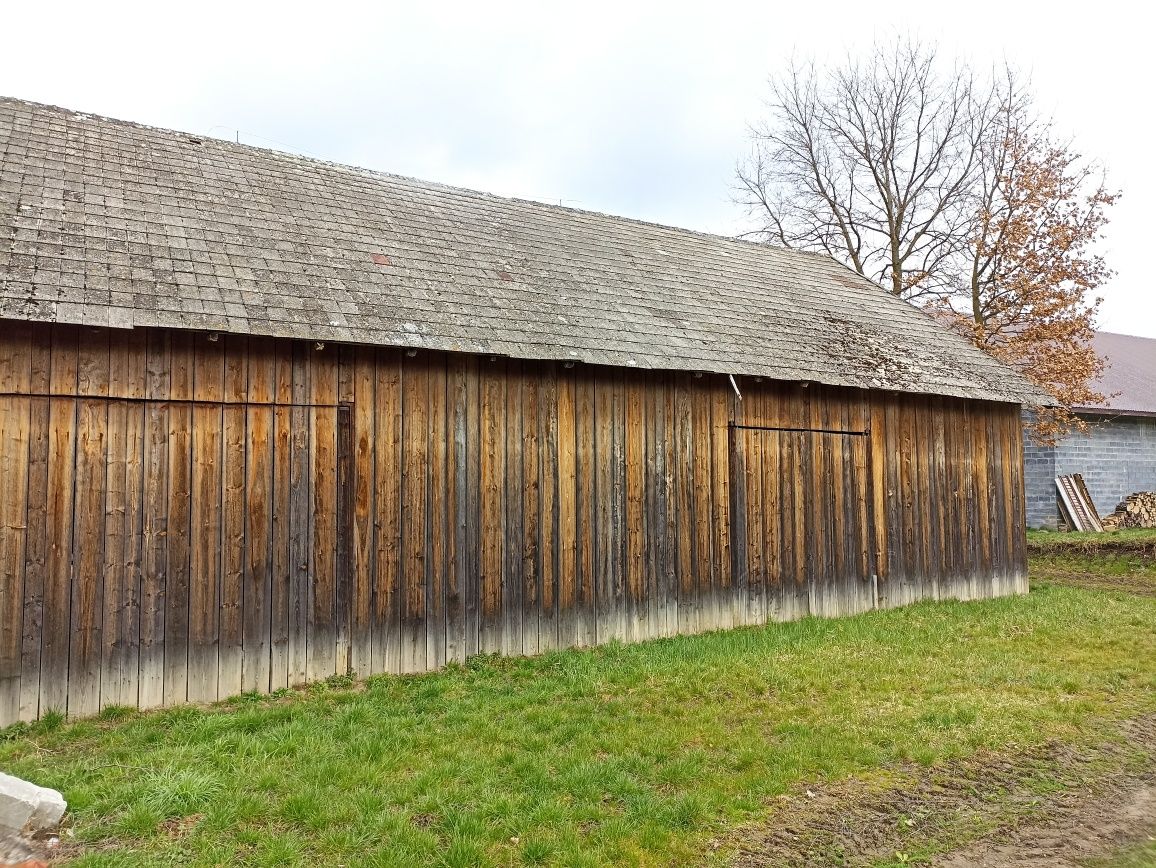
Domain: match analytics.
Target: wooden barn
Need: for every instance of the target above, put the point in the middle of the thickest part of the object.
(264, 420)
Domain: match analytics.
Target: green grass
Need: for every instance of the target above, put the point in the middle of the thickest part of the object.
(626, 755)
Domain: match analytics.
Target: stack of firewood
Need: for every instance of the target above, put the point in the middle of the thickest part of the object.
(1136, 510)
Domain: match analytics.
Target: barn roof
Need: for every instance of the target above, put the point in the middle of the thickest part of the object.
(110, 223)
(1129, 380)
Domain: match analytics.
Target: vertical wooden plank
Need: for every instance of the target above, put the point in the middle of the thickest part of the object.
(548, 613)
(605, 553)
(939, 492)
(634, 436)
(800, 483)
(704, 601)
(458, 508)
(926, 506)
(981, 451)
(176, 636)
(667, 529)
(685, 528)
(1019, 505)
(878, 470)
(213, 616)
(751, 442)
(232, 592)
(122, 523)
(414, 504)
(912, 582)
(722, 579)
(567, 511)
(364, 525)
(472, 510)
(653, 506)
(257, 580)
(343, 543)
(386, 650)
(155, 520)
(15, 422)
(37, 543)
(281, 563)
(772, 515)
(322, 624)
(513, 500)
(531, 510)
(618, 511)
(301, 420)
(438, 515)
(737, 451)
(584, 508)
(86, 644)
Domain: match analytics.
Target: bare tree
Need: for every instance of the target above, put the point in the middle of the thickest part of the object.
(874, 163)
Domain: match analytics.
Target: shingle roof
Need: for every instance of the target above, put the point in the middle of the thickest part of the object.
(1130, 377)
(111, 223)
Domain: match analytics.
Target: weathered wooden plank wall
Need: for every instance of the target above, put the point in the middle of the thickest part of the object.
(183, 519)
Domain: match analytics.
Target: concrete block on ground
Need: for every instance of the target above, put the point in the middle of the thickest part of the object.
(26, 808)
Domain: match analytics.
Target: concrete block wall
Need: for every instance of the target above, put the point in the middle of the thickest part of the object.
(1116, 457)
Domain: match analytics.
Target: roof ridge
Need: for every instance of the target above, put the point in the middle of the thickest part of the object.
(437, 185)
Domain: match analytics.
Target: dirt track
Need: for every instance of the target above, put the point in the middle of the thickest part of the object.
(1050, 806)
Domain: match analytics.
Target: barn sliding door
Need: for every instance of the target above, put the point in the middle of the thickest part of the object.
(801, 520)
(157, 552)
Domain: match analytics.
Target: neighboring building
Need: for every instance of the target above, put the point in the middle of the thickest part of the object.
(265, 419)
(1118, 454)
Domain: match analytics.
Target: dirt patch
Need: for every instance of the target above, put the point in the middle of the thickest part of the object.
(1053, 805)
(1139, 544)
(1139, 582)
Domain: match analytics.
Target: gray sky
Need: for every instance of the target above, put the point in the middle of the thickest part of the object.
(633, 109)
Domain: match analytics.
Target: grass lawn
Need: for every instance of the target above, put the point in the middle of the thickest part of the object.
(628, 755)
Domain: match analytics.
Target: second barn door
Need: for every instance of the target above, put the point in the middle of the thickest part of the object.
(801, 520)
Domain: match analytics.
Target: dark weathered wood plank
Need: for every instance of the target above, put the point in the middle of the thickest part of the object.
(603, 502)
(322, 623)
(155, 521)
(513, 500)
(214, 615)
(531, 599)
(722, 579)
(415, 491)
(458, 507)
(257, 581)
(586, 602)
(438, 535)
(176, 636)
(281, 563)
(567, 511)
(548, 614)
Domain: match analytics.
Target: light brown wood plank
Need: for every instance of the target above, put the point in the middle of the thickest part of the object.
(37, 542)
(387, 499)
(491, 522)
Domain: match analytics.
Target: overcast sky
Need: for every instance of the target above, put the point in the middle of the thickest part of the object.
(633, 109)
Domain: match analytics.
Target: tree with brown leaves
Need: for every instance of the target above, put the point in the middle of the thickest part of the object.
(1034, 270)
